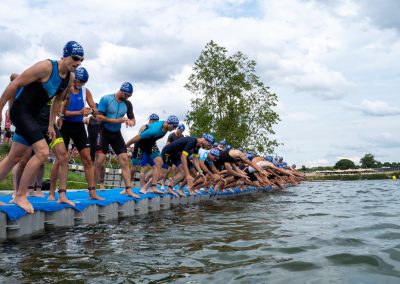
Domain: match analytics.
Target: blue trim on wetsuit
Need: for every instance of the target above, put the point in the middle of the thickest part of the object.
(51, 86)
(18, 138)
(19, 91)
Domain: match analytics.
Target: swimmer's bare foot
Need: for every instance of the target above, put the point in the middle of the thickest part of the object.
(170, 190)
(23, 202)
(93, 194)
(181, 193)
(122, 191)
(101, 186)
(39, 193)
(154, 189)
(143, 189)
(51, 196)
(2, 203)
(130, 193)
(31, 190)
(62, 198)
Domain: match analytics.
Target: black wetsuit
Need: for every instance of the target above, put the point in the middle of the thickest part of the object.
(173, 137)
(171, 153)
(225, 158)
(31, 99)
(94, 129)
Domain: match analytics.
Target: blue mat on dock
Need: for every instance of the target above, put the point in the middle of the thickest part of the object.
(81, 200)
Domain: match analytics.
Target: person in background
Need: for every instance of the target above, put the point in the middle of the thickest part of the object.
(112, 110)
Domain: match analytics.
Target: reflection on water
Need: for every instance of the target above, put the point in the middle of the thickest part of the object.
(337, 232)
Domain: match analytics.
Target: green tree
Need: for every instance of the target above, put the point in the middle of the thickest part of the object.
(368, 161)
(231, 101)
(344, 164)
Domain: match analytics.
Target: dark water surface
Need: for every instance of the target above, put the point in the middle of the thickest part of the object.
(322, 232)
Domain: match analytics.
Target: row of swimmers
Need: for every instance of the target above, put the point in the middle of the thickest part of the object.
(49, 105)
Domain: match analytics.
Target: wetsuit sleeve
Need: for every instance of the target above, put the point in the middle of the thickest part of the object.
(129, 112)
(103, 106)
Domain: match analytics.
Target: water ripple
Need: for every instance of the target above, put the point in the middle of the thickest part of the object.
(320, 232)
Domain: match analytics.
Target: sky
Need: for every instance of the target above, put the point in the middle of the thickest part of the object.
(333, 64)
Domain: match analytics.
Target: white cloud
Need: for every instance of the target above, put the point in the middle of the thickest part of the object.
(317, 163)
(383, 140)
(375, 108)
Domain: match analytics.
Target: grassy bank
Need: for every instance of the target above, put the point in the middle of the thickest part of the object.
(353, 177)
(75, 180)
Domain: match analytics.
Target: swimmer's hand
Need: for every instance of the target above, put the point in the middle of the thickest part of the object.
(52, 132)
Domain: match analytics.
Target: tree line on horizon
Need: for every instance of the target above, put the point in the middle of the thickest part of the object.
(366, 162)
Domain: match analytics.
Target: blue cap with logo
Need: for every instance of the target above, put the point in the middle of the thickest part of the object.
(181, 127)
(73, 48)
(173, 120)
(127, 88)
(81, 74)
(209, 138)
(154, 116)
(249, 156)
(216, 152)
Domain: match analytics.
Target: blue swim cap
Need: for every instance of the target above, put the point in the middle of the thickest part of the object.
(228, 147)
(249, 156)
(173, 120)
(216, 144)
(216, 152)
(81, 74)
(280, 159)
(222, 142)
(284, 165)
(269, 158)
(181, 127)
(240, 149)
(127, 88)
(73, 48)
(154, 116)
(209, 138)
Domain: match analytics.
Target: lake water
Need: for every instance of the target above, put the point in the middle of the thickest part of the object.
(320, 232)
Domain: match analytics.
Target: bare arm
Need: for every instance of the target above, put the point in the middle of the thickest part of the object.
(133, 140)
(185, 164)
(196, 163)
(90, 101)
(231, 171)
(37, 72)
(54, 109)
(204, 167)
